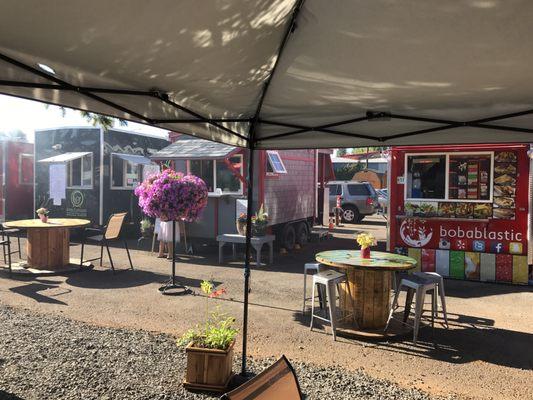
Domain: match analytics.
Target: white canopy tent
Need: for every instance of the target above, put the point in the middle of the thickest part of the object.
(267, 74)
(284, 73)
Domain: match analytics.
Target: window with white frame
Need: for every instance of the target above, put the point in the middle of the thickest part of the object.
(275, 163)
(449, 176)
(124, 174)
(25, 169)
(220, 174)
(80, 172)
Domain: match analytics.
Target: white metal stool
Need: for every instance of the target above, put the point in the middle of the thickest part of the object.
(309, 267)
(330, 279)
(419, 286)
(439, 281)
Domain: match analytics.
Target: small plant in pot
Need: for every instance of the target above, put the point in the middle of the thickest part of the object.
(43, 214)
(147, 228)
(209, 347)
(259, 222)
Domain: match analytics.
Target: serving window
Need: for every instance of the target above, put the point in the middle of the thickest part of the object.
(220, 174)
(452, 177)
(80, 172)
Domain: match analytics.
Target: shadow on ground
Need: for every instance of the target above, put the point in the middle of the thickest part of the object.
(469, 339)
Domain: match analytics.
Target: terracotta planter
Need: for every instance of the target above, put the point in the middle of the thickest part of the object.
(43, 218)
(208, 369)
(365, 252)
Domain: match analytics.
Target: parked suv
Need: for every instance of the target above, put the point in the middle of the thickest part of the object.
(358, 199)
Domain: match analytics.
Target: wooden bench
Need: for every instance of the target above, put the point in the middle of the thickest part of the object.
(257, 243)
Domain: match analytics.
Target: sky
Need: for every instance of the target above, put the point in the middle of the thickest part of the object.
(28, 115)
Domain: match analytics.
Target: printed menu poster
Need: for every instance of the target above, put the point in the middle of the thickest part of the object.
(58, 183)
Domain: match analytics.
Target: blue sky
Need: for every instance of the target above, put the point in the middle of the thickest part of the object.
(27, 116)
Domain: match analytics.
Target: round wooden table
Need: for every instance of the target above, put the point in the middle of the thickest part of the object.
(369, 283)
(48, 243)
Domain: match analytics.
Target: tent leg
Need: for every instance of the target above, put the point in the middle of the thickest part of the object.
(249, 211)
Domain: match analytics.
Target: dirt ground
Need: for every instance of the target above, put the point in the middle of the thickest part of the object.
(486, 354)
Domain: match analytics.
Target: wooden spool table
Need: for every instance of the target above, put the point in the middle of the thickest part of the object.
(370, 285)
(48, 243)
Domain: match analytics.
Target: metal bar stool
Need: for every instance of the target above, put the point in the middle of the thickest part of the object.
(439, 281)
(331, 280)
(308, 267)
(419, 286)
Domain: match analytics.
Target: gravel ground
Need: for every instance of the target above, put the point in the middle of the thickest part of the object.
(48, 357)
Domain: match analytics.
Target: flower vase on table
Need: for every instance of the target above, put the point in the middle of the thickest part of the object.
(43, 214)
(365, 252)
(365, 240)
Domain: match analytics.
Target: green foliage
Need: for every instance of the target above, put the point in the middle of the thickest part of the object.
(102, 121)
(345, 172)
(217, 333)
(146, 224)
(342, 152)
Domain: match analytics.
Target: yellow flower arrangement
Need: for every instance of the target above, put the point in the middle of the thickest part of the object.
(366, 240)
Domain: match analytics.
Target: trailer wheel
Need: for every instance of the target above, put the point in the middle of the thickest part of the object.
(302, 234)
(288, 237)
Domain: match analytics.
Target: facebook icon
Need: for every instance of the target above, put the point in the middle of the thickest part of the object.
(496, 247)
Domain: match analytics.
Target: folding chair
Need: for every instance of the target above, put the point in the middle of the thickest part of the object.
(110, 232)
(6, 247)
(9, 232)
(278, 381)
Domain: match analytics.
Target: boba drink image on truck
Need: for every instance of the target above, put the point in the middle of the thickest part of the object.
(464, 211)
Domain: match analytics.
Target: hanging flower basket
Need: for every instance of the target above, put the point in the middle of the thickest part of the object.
(172, 196)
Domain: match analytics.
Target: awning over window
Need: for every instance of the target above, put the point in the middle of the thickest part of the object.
(65, 157)
(186, 148)
(134, 158)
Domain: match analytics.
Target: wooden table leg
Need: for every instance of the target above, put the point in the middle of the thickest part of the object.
(48, 248)
(371, 297)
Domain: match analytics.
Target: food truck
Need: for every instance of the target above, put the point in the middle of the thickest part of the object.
(464, 211)
(87, 172)
(16, 172)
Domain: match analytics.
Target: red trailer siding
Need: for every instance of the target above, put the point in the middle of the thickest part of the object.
(17, 188)
(291, 196)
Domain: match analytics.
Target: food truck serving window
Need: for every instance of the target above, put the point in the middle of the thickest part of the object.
(127, 170)
(80, 172)
(25, 169)
(220, 174)
(453, 177)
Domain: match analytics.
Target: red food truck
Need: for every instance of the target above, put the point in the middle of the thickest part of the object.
(464, 211)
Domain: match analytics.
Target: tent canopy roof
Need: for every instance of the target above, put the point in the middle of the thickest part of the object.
(285, 73)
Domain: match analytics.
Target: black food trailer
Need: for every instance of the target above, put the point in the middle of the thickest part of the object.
(87, 172)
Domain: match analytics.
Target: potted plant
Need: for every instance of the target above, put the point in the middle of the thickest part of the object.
(365, 240)
(241, 224)
(209, 347)
(43, 214)
(147, 228)
(259, 222)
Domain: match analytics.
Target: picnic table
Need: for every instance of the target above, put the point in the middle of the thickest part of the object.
(256, 241)
(370, 283)
(48, 242)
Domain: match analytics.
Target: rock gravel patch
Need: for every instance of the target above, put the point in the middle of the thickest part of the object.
(51, 357)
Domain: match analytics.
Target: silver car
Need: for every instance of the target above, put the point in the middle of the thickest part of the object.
(358, 199)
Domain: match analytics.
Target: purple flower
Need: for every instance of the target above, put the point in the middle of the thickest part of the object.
(171, 196)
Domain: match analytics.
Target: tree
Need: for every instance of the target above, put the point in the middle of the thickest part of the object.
(15, 134)
(341, 152)
(346, 171)
(95, 119)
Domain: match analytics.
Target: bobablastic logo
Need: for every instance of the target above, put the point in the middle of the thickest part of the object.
(415, 232)
(76, 198)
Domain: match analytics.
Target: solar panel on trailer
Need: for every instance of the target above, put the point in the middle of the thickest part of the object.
(276, 163)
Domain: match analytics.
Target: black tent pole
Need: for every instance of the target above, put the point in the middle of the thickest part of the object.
(249, 212)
